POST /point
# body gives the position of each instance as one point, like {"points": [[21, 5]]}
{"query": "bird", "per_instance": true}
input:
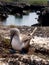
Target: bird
{"points": [[18, 41]]}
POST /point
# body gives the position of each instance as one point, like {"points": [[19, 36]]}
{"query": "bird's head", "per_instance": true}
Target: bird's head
{"points": [[14, 31]]}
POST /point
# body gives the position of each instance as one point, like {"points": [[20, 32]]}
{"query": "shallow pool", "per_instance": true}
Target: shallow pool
{"points": [[26, 20]]}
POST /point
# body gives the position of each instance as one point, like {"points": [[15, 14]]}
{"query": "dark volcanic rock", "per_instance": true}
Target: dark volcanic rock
{"points": [[16, 7], [44, 17], [36, 7]]}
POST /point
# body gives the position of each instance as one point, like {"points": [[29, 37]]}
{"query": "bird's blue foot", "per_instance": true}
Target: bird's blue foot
{"points": [[23, 51], [12, 51]]}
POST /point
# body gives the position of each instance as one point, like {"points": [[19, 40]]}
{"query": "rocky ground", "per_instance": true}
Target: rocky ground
{"points": [[39, 46]]}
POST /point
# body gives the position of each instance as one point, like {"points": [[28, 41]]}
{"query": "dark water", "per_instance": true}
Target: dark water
{"points": [[26, 20]]}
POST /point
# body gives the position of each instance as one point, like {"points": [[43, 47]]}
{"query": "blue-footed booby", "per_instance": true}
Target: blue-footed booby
{"points": [[19, 42]]}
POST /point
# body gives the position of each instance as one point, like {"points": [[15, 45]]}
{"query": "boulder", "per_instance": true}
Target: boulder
{"points": [[43, 18]]}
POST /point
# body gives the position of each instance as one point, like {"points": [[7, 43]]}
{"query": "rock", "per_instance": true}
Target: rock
{"points": [[25, 12], [38, 12], [36, 7], [14, 63], [17, 7], [43, 18], [18, 15], [28, 60], [40, 44]]}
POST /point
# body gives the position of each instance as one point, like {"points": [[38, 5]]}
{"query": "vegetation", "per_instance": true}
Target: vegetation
{"points": [[35, 1], [42, 2]]}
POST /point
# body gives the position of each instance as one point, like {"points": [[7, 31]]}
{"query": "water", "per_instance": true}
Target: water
{"points": [[26, 20]]}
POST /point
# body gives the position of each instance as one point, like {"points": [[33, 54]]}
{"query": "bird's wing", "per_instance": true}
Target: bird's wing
{"points": [[24, 38]]}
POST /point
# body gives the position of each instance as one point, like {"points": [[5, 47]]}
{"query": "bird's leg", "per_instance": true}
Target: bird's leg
{"points": [[12, 50]]}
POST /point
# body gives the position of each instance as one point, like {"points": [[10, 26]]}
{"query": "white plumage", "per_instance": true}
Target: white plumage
{"points": [[19, 41]]}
